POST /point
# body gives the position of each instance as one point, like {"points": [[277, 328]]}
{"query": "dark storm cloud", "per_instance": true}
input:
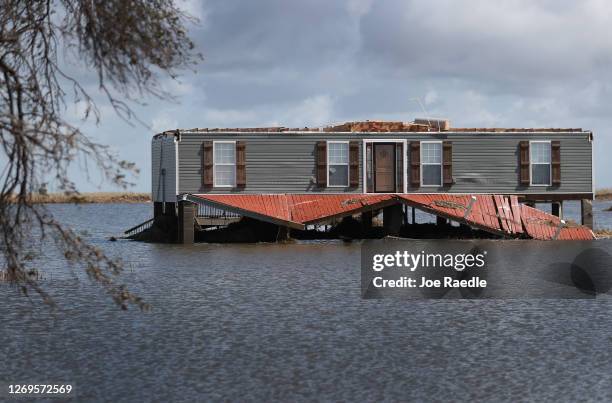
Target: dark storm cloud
{"points": [[262, 35], [508, 40], [514, 63]]}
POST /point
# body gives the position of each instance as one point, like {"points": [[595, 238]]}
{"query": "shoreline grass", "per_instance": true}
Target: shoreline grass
{"points": [[137, 197], [94, 197], [603, 194], [603, 233]]}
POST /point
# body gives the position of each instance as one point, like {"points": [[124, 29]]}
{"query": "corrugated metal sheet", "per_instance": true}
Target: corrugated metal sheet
{"points": [[541, 225], [296, 210], [309, 209], [497, 214], [475, 210]]}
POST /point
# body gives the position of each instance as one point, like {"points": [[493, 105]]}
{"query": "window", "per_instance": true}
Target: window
{"points": [[540, 163], [224, 169], [431, 163], [338, 163]]}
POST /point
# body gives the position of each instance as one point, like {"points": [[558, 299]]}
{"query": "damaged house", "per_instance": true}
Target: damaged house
{"points": [[294, 179]]}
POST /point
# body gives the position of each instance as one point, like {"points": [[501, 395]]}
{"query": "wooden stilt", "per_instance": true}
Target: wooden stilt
{"points": [[392, 219], [586, 208], [186, 222]]}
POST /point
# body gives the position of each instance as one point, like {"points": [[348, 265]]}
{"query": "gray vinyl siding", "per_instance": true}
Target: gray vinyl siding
{"points": [[274, 164], [490, 163], [482, 162], [163, 156]]}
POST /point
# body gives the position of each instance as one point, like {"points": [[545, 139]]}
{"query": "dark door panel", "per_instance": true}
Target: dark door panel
{"points": [[384, 168]]}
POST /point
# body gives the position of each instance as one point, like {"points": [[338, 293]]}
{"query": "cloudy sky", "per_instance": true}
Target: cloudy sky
{"points": [[515, 63]]}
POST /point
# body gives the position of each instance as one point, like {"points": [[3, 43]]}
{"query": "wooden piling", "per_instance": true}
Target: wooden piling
{"points": [[556, 209], [586, 209], [392, 219], [440, 221], [186, 222], [366, 220], [284, 234], [158, 209], [170, 209]]}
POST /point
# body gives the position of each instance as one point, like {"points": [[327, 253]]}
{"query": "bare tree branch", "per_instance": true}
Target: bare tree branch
{"points": [[129, 44]]}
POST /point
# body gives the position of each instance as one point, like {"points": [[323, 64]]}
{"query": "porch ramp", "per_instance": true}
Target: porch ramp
{"points": [[497, 214]]}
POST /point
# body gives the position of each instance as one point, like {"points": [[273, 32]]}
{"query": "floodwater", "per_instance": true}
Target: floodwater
{"points": [[286, 322]]}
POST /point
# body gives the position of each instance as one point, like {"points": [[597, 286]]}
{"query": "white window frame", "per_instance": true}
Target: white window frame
{"points": [[364, 169], [531, 163], [348, 163], [429, 163], [225, 164]]}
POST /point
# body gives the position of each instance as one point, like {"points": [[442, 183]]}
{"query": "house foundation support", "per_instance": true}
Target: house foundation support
{"points": [[158, 209], [186, 221], [284, 234], [366, 220], [392, 219], [170, 209], [440, 221], [586, 210]]}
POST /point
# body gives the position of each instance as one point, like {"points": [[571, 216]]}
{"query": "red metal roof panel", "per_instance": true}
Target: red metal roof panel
{"points": [[493, 213]]}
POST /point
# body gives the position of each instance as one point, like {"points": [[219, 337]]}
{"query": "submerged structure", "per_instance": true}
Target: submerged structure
{"points": [[485, 179]]}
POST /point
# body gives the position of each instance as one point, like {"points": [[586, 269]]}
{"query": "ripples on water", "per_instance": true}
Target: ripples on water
{"points": [[286, 322]]}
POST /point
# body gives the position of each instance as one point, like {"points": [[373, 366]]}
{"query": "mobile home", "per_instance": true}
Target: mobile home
{"points": [[372, 157]]}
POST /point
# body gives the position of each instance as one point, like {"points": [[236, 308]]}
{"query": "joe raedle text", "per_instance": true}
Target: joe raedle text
{"points": [[446, 282], [404, 269]]}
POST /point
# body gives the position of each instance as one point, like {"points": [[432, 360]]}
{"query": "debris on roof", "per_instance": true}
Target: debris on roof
{"points": [[440, 124], [378, 126]]}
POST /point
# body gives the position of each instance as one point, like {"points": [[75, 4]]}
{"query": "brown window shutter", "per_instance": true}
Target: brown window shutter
{"points": [[556, 162], [524, 162], [447, 162], [207, 164], [240, 164], [415, 163], [354, 163], [399, 168], [321, 152], [369, 163]]}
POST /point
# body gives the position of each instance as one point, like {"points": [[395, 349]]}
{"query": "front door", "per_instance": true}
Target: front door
{"points": [[384, 168]]}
